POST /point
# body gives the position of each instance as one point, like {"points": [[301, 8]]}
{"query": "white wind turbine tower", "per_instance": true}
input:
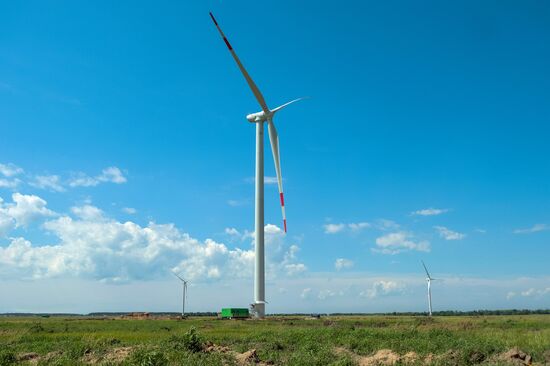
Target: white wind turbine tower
{"points": [[265, 115], [429, 280], [184, 287]]}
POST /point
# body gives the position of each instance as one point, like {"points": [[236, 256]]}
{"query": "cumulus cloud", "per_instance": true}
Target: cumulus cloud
{"points": [[430, 212], [108, 175], [333, 228], [89, 244], [398, 242], [353, 226], [449, 234], [342, 263], [129, 210], [10, 170], [232, 231], [534, 229], [49, 182], [9, 183], [382, 288], [94, 246], [22, 211]]}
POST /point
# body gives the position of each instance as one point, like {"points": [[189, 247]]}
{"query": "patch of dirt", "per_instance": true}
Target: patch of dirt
{"points": [[515, 357], [34, 358], [384, 357], [29, 356], [249, 357], [409, 358], [115, 355], [429, 359]]}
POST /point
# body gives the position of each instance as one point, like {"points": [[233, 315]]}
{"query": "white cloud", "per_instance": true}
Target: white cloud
{"points": [[353, 226], [534, 292], [92, 245], [357, 226], [384, 225], [108, 175], [232, 231], [82, 180], [430, 212], [95, 246], [9, 183], [236, 203], [129, 210], [113, 175], [267, 180], [10, 170], [333, 228], [306, 293], [382, 288], [398, 242], [342, 263], [448, 234], [325, 294], [534, 229], [50, 182], [295, 268], [531, 292], [24, 210], [88, 212]]}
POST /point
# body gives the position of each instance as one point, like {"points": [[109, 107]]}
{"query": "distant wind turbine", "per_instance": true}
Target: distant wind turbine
{"points": [[265, 115], [429, 280], [184, 286]]}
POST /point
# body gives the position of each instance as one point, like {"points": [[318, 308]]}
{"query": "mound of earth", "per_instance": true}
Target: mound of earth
{"points": [[115, 355], [249, 357], [515, 357], [385, 357]]}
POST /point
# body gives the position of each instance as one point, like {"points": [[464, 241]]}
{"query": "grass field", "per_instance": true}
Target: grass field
{"points": [[346, 340]]}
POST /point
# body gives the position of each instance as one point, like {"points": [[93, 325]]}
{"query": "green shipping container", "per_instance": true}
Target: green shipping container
{"points": [[234, 313]]}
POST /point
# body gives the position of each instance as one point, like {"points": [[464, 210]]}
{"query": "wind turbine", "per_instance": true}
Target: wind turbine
{"points": [[265, 115], [429, 280], [184, 285]]}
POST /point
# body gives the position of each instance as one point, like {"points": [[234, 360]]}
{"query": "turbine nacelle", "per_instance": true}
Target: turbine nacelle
{"points": [[257, 117]]}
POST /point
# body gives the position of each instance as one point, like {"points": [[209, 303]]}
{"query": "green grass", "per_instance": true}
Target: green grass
{"points": [[280, 341]]}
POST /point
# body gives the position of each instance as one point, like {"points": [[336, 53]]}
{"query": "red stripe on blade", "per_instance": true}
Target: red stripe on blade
{"points": [[284, 222], [227, 43], [282, 200]]}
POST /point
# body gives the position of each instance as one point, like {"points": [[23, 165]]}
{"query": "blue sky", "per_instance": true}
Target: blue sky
{"points": [[125, 154]]}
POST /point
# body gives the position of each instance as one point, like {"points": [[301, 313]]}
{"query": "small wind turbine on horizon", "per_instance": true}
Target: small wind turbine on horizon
{"points": [[429, 280], [265, 115], [184, 287]]}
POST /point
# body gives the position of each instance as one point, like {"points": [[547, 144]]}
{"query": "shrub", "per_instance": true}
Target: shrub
{"points": [[145, 357], [7, 358], [191, 341]]}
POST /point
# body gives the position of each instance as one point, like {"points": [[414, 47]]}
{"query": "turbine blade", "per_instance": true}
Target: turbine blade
{"points": [[274, 140], [249, 80], [426, 269], [284, 105], [175, 274]]}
